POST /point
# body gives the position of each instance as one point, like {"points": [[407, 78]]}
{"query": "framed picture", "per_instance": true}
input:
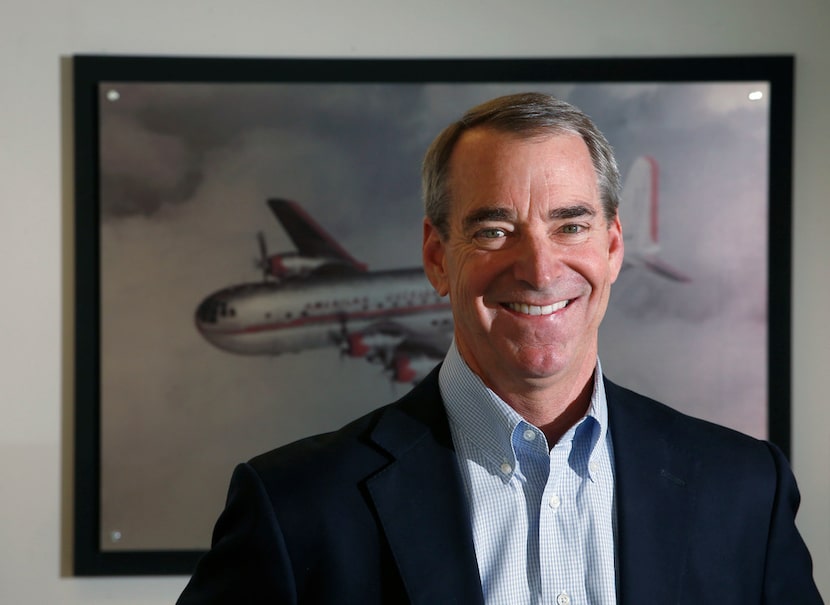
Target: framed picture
{"points": [[248, 238]]}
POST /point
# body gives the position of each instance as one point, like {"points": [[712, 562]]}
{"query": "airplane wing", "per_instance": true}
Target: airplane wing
{"points": [[310, 239], [406, 356]]}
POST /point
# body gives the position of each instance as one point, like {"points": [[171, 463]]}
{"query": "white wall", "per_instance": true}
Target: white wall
{"points": [[36, 201]]}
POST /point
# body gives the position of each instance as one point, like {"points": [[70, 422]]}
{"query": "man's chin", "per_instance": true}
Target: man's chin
{"points": [[535, 365]]}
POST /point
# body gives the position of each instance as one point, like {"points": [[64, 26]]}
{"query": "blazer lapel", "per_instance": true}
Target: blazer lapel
{"points": [[420, 502], [655, 498], [421, 506]]}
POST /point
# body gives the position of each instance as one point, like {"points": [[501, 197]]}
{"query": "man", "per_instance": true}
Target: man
{"points": [[515, 473]]}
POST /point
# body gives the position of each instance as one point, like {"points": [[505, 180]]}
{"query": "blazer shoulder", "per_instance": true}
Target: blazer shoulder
{"points": [[684, 484], [633, 413]]}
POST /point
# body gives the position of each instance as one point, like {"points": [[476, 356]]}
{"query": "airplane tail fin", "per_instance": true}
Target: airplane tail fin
{"points": [[639, 208], [640, 204]]}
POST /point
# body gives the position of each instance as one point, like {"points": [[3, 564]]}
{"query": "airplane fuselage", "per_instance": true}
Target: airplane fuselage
{"points": [[269, 318]]}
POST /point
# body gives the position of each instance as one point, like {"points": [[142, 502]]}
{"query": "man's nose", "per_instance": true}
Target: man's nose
{"points": [[536, 261]]}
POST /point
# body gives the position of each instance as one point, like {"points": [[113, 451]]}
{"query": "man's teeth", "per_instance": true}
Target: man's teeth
{"points": [[537, 310]]}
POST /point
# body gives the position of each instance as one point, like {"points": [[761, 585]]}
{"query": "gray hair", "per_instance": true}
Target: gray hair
{"points": [[528, 115]]}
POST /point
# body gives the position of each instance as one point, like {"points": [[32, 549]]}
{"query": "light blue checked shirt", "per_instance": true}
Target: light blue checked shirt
{"points": [[543, 519]]}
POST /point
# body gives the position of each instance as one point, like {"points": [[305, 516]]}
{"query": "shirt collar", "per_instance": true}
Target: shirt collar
{"points": [[475, 411]]}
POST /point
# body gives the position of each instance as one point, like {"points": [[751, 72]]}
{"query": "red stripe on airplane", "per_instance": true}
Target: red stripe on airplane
{"points": [[655, 198], [333, 317]]}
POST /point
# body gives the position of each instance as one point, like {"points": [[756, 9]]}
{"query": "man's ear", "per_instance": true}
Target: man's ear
{"points": [[616, 247], [434, 256]]}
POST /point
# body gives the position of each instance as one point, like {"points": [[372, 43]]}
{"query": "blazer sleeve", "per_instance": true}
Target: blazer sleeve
{"points": [[788, 574], [248, 561]]}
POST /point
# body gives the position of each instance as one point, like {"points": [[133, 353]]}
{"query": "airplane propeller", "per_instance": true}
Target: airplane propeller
{"points": [[341, 338], [263, 263]]}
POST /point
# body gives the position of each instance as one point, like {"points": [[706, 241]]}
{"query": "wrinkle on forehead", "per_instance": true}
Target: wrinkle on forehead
{"points": [[516, 174]]}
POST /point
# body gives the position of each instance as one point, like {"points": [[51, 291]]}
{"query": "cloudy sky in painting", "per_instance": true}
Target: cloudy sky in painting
{"points": [[186, 171]]}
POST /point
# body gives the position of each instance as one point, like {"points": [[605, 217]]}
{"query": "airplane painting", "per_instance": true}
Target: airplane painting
{"points": [[320, 295], [187, 390]]}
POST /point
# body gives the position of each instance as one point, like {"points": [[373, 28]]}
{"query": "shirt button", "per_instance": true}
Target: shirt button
{"points": [[506, 468], [554, 504], [529, 435], [593, 467], [563, 599]]}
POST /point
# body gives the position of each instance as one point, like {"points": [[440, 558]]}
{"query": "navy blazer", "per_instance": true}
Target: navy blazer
{"points": [[376, 513]]}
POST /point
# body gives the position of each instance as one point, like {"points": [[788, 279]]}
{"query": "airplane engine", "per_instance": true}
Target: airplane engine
{"points": [[355, 346], [410, 369], [402, 370]]}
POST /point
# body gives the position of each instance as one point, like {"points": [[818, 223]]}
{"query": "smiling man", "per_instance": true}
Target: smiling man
{"points": [[515, 473], [528, 257]]}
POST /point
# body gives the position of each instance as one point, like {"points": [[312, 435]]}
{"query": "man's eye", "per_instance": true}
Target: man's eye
{"points": [[572, 229], [491, 233]]}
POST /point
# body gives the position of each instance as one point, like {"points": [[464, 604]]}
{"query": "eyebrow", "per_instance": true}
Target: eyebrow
{"points": [[488, 213], [575, 211], [496, 213]]}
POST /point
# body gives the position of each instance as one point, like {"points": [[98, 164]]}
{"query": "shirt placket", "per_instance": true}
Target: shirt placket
{"points": [[556, 519]]}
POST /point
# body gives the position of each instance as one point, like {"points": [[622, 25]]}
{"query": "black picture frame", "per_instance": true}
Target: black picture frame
{"points": [[91, 72]]}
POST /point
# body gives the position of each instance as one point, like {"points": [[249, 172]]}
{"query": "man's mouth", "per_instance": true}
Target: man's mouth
{"points": [[526, 309]]}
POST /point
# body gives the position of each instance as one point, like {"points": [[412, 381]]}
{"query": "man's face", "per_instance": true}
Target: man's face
{"points": [[529, 258]]}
